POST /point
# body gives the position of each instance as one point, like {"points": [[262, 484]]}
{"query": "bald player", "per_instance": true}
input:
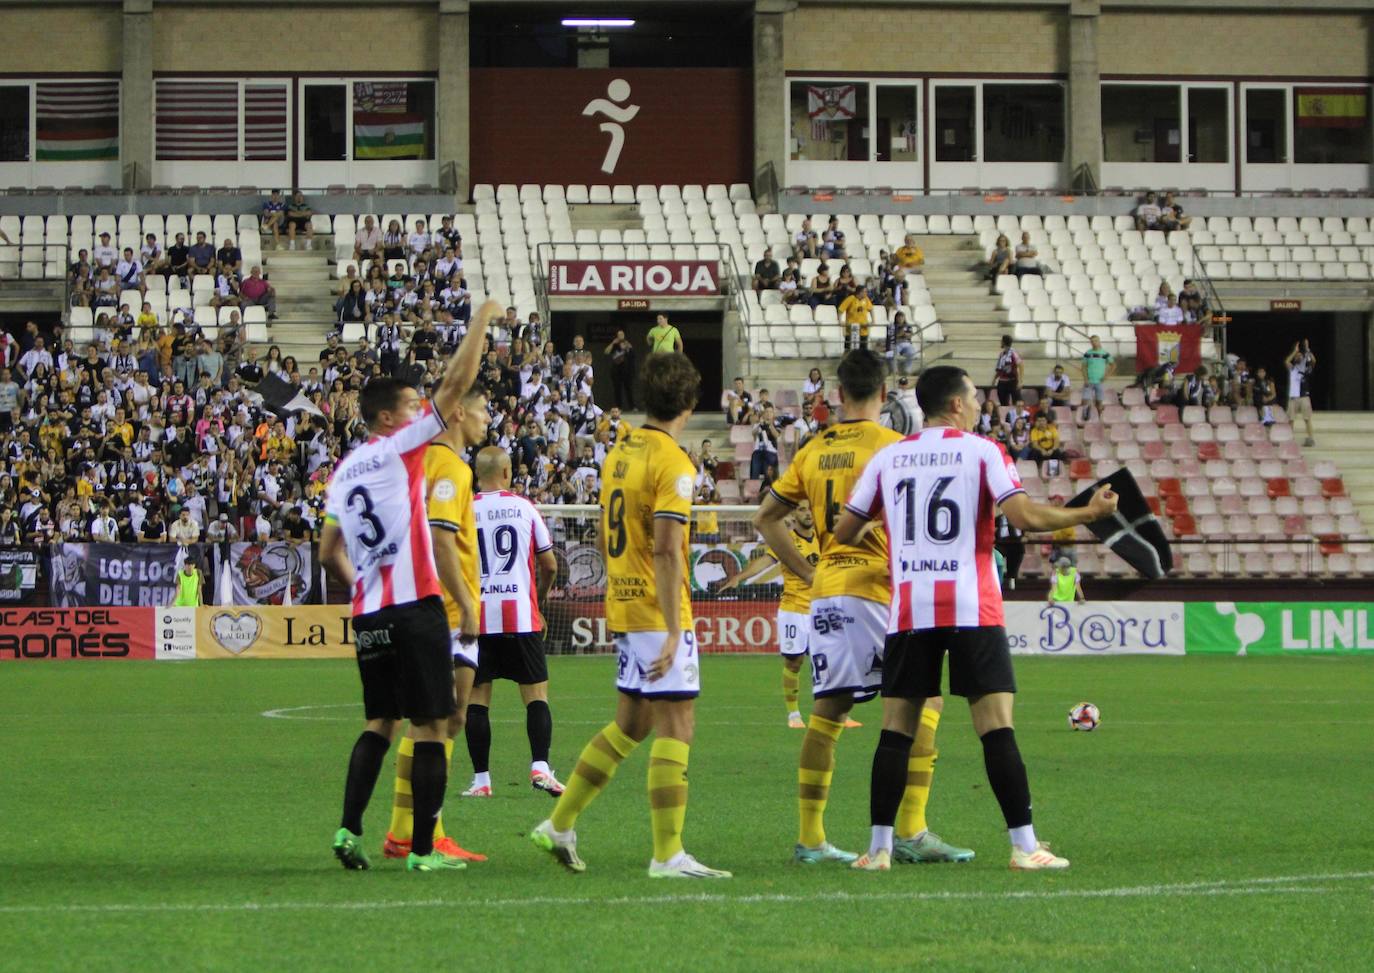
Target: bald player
{"points": [[515, 557]]}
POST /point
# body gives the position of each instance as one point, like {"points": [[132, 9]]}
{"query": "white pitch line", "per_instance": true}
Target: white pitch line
{"points": [[1265, 885]]}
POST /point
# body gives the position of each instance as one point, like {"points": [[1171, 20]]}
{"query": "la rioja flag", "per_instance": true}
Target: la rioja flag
{"points": [[1163, 344]]}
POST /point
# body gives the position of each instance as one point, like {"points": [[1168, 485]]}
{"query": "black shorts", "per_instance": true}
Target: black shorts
{"points": [[979, 662], [405, 662], [299, 222], [519, 658]]}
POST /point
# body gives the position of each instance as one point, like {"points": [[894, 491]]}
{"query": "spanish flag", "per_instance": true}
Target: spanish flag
{"points": [[1332, 107]]}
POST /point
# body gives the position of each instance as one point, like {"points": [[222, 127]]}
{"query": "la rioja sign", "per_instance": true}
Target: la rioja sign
{"points": [[634, 278]]}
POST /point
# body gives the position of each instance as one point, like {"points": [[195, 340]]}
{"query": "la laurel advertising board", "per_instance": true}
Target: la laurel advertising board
{"points": [[76, 633], [634, 278], [273, 632]]}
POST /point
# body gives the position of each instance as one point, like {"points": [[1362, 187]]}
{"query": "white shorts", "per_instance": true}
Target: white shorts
{"points": [[464, 650], [847, 639], [794, 632], [638, 650]]}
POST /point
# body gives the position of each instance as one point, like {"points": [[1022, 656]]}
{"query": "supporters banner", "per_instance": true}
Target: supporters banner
{"points": [[307, 632], [77, 121], [1279, 628], [634, 278], [197, 121], [1162, 344], [1332, 107], [76, 633], [260, 574], [382, 135], [119, 574], [18, 575], [1096, 628]]}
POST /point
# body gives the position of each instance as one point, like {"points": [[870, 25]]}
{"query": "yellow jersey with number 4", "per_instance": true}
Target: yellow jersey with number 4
{"points": [[796, 594], [449, 504], [824, 472], [646, 475]]}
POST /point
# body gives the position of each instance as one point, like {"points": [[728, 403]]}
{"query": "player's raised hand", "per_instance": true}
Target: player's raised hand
{"points": [[1103, 503], [660, 666]]}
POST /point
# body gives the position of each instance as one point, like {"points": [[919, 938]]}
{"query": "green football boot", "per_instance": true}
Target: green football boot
{"points": [[926, 848], [434, 862], [348, 849], [827, 852]]}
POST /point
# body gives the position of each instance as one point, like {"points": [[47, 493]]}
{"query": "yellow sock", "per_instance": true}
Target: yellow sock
{"points": [[667, 795], [596, 766], [911, 816], [791, 688], [403, 804], [448, 761], [816, 768]]}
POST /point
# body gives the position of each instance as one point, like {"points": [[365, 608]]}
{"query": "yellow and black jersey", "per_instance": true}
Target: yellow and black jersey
{"points": [[796, 595], [449, 504], [824, 472], [645, 476]]}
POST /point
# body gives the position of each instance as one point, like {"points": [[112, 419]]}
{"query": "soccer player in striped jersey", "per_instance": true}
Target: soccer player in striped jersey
{"points": [[375, 541], [454, 535], [937, 493], [515, 552], [850, 593], [646, 503], [794, 611]]}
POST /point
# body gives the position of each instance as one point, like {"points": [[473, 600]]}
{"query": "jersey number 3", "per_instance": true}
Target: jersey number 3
{"points": [[373, 531]]}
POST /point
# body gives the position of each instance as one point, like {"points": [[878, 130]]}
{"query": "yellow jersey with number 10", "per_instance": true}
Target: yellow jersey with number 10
{"points": [[449, 506], [796, 595], [824, 472], [645, 476]]}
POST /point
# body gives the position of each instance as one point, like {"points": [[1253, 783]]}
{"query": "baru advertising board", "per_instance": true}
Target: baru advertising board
{"points": [[1096, 628]]}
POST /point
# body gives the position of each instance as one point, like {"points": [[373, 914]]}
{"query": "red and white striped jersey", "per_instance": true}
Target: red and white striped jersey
{"points": [[510, 532], [377, 499], [937, 492]]}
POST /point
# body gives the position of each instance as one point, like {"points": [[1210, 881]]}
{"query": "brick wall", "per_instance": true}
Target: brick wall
{"points": [[346, 39], [88, 38], [977, 40]]}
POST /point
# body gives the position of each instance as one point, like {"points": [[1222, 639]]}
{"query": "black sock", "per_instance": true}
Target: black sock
{"points": [[1007, 775], [888, 782], [428, 778], [478, 733], [539, 727], [364, 766]]}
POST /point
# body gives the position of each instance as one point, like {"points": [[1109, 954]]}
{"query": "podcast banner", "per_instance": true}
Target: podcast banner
{"points": [[272, 632]]}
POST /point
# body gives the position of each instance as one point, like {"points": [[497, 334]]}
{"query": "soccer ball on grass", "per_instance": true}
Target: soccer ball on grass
{"points": [[1084, 717]]}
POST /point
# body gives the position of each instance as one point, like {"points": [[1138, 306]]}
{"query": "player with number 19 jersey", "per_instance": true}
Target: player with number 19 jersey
{"points": [[389, 548], [938, 493]]}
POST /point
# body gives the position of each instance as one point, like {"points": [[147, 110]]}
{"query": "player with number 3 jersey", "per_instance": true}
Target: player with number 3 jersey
{"points": [[937, 493]]}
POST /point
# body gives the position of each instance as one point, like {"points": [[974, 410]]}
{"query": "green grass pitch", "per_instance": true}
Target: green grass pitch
{"points": [[1219, 820]]}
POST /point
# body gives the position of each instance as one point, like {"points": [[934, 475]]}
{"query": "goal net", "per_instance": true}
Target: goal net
{"points": [[725, 549]]}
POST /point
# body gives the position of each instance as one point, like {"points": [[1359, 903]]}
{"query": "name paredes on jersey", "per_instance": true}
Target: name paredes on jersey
{"points": [[906, 460], [354, 470]]}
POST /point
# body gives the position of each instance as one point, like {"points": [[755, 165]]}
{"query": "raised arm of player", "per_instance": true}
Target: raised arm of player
{"points": [[461, 370], [770, 521], [1025, 514], [334, 556]]}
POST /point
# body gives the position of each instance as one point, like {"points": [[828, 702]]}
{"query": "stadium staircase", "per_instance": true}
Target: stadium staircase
{"points": [[968, 312], [1343, 438], [305, 297]]}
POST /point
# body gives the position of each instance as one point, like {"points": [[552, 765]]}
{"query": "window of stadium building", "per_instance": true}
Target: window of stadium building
{"points": [[829, 121], [1141, 123], [393, 120], [1209, 124], [14, 123], [1266, 125], [1023, 122], [1331, 125]]}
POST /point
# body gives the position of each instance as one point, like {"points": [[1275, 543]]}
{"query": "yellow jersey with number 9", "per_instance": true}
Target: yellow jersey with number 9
{"points": [[824, 472], [645, 476], [449, 506], [796, 595]]}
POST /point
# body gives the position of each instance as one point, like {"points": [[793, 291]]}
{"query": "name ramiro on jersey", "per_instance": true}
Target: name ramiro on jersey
{"points": [[951, 458], [836, 461]]}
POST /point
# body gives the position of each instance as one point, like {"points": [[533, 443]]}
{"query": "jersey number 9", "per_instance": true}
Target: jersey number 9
{"points": [[615, 523]]}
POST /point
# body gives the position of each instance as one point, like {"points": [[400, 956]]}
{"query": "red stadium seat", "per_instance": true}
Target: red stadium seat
{"points": [[1169, 487], [1175, 505], [1153, 451], [1333, 486], [1185, 526], [1278, 487], [725, 470], [1082, 469], [1207, 450], [1154, 505]]}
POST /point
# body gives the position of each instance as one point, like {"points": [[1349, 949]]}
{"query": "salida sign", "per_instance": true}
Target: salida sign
{"points": [[634, 278]]}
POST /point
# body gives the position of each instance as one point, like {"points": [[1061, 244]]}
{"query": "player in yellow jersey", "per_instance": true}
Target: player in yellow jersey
{"points": [[453, 533], [646, 501], [794, 611], [850, 596]]}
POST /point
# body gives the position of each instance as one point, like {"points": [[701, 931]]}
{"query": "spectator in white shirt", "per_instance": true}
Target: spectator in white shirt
{"points": [[1147, 214], [130, 272], [419, 241], [184, 530], [102, 254], [367, 242], [1170, 313], [1058, 387], [35, 356]]}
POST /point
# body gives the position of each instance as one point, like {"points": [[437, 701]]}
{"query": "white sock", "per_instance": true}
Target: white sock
{"points": [[482, 780], [540, 766], [882, 839], [1023, 838], [794, 715]]}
